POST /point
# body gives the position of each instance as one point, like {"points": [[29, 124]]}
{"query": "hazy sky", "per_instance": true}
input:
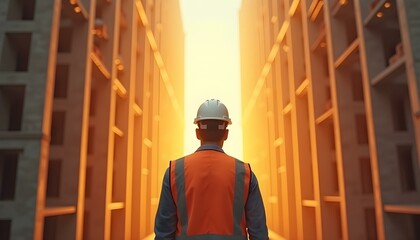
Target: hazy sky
{"points": [[212, 64]]}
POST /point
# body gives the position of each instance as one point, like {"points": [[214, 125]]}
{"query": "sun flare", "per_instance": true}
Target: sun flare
{"points": [[212, 65]]}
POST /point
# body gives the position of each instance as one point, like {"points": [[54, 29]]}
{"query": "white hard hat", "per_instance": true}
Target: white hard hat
{"points": [[212, 109]]}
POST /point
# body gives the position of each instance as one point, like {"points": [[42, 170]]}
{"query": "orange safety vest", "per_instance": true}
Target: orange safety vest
{"points": [[210, 190]]}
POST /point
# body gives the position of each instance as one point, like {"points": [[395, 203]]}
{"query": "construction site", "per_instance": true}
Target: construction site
{"points": [[92, 111]]}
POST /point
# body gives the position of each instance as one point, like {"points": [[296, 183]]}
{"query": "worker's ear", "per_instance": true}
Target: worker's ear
{"points": [[225, 136], [198, 133]]}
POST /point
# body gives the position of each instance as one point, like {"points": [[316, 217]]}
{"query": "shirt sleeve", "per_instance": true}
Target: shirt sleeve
{"points": [[166, 218], [255, 212]]}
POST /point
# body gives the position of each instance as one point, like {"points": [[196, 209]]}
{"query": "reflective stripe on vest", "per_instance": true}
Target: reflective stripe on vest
{"points": [[240, 194], [180, 189]]}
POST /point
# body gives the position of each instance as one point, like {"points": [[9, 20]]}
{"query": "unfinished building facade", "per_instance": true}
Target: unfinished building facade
{"points": [[89, 91], [331, 115]]}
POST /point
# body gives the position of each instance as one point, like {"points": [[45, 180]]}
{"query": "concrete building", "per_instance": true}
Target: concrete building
{"points": [[331, 115], [89, 91]]}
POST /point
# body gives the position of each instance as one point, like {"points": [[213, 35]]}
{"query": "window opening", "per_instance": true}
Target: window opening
{"points": [[21, 10], [11, 107], [405, 160], [57, 128], [16, 50], [5, 226], [8, 174], [366, 175], [61, 81], [361, 126], [65, 39], [54, 178]]}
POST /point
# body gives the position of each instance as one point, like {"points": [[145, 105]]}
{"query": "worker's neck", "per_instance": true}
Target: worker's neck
{"points": [[219, 144]]}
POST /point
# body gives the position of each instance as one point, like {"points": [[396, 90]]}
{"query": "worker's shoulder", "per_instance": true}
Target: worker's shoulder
{"points": [[180, 158], [239, 160]]}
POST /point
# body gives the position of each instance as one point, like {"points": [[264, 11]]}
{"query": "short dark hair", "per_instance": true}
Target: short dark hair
{"points": [[212, 132]]}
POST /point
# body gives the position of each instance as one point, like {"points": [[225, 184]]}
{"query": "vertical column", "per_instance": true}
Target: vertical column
{"points": [[313, 28], [142, 53], [294, 49], [146, 142], [272, 111]]}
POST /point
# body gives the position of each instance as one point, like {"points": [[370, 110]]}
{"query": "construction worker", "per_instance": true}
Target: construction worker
{"points": [[210, 195]]}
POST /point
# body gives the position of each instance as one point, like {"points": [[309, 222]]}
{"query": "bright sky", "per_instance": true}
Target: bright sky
{"points": [[212, 65]]}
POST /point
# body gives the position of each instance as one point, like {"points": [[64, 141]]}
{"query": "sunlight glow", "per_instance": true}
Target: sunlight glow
{"points": [[212, 65]]}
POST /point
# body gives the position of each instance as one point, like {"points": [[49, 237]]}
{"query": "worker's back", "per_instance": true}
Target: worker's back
{"points": [[209, 195], [216, 188]]}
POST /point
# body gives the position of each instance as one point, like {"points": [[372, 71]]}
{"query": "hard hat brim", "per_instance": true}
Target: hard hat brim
{"points": [[196, 120]]}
